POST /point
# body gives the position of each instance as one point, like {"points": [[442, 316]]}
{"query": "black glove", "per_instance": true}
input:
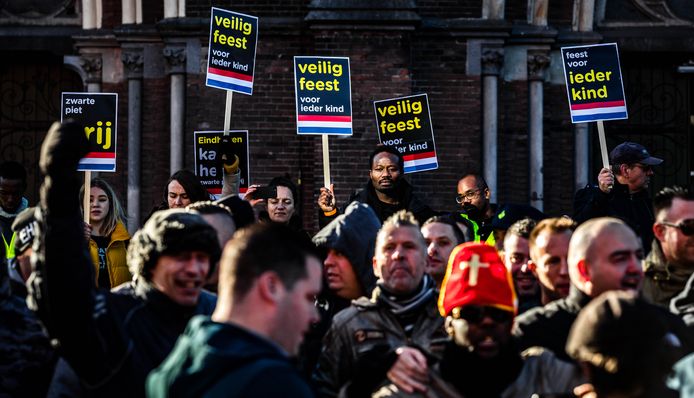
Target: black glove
{"points": [[64, 146], [229, 158]]}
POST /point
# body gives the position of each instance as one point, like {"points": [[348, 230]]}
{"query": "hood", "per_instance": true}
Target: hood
{"points": [[23, 205], [354, 235], [206, 353]]}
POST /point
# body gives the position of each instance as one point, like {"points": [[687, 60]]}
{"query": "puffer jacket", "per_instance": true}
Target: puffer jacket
{"points": [[116, 256], [368, 326]]}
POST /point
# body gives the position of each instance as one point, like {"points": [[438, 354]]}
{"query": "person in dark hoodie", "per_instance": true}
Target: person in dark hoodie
{"points": [[386, 192], [265, 306], [112, 340], [348, 242]]}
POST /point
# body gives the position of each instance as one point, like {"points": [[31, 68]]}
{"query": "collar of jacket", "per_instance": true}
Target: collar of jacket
{"points": [[403, 192], [576, 298], [656, 267], [23, 205], [623, 190], [161, 303], [365, 303]]}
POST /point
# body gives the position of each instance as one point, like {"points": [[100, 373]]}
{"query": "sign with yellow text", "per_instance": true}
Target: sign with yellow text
{"points": [[98, 113], [594, 83], [231, 57], [211, 147], [405, 123], [323, 95]]}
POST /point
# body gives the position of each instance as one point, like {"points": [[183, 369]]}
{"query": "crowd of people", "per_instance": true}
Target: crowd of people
{"points": [[233, 298]]}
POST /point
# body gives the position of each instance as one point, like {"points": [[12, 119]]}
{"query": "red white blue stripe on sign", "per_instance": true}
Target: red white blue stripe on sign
{"points": [[339, 125], [230, 80], [420, 162], [594, 111], [98, 161]]}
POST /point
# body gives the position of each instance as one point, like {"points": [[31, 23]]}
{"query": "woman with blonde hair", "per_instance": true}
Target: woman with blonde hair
{"points": [[108, 238]]}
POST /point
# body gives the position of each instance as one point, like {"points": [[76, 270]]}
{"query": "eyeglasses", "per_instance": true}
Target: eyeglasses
{"points": [[686, 226], [469, 195], [475, 314]]}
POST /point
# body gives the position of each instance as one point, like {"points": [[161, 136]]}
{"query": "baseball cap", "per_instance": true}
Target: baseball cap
{"points": [[631, 152]]}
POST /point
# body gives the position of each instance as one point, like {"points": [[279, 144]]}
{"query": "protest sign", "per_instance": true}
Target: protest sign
{"points": [[97, 112], [210, 146], [594, 83], [231, 56], [323, 95], [405, 123]]}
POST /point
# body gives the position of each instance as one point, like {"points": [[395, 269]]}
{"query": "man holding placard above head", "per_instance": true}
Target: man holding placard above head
{"points": [[386, 192], [621, 191]]}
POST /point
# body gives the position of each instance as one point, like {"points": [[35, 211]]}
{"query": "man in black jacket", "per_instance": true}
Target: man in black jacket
{"points": [[112, 340], [627, 197], [386, 192]]}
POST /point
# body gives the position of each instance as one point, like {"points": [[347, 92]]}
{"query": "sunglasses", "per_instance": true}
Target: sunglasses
{"points": [[475, 314], [686, 226]]}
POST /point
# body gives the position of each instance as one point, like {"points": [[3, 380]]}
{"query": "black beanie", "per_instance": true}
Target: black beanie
{"points": [[170, 232]]}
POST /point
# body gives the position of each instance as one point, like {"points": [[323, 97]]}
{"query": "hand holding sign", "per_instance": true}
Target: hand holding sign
{"points": [[605, 180], [326, 199], [229, 158]]}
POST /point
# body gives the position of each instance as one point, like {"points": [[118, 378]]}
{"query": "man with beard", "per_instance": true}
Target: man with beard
{"points": [[473, 196], [516, 258], [481, 360], [387, 192], [549, 246], [370, 341], [627, 197], [604, 254]]}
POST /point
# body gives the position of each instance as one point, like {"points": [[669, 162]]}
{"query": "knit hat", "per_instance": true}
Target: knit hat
{"points": [[25, 227], [476, 276], [170, 232]]}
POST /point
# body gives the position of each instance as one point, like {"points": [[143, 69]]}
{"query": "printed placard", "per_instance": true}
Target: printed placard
{"points": [[323, 95], [594, 83], [210, 146], [405, 123], [98, 113], [231, 56]]}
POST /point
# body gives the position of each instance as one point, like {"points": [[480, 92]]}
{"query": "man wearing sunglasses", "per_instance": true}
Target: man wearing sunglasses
{"points": [[621, 191], [671, 260]]}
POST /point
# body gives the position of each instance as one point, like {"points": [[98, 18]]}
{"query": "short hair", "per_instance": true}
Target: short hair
{"points": [[260, 248], [190, 183], [663, 199], [480, 181], [210, 207], [380, 148], [285, 182], [521, 228], [554, 225], [585, 237], [448, 221], [402, 218], [115, 212], [12, 170]]}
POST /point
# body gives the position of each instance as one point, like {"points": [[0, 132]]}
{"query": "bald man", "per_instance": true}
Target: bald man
{"points": [[604, 254]]}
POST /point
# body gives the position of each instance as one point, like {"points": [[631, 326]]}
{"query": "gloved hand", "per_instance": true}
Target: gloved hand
{"points": [[229, 159], [64, 146]]}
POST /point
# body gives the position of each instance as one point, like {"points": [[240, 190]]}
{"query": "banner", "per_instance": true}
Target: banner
{"points": [[594, 83], [405, 123], [231, 56], [323, 95], [209, 148], [98, 113]]}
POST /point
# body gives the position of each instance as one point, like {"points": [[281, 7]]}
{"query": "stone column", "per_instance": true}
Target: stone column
{"points": [[493, 9], [492, 60], [133, 60], [91, 63], [538, 60], [176, 66]]}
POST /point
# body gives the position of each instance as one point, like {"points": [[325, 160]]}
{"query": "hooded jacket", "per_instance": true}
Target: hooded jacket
{"points": [[6, 220], [218, 359], [406, 200], [662, 280]]}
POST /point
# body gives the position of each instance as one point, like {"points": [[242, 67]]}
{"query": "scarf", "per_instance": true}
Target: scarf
{"points": [[407, 308]]}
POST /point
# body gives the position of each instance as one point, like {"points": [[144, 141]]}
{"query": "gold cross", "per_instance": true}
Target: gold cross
{"points": [[474, 264]]}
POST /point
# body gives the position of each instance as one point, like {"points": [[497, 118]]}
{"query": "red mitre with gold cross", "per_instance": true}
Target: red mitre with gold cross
{"points": [[476, 276]]}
